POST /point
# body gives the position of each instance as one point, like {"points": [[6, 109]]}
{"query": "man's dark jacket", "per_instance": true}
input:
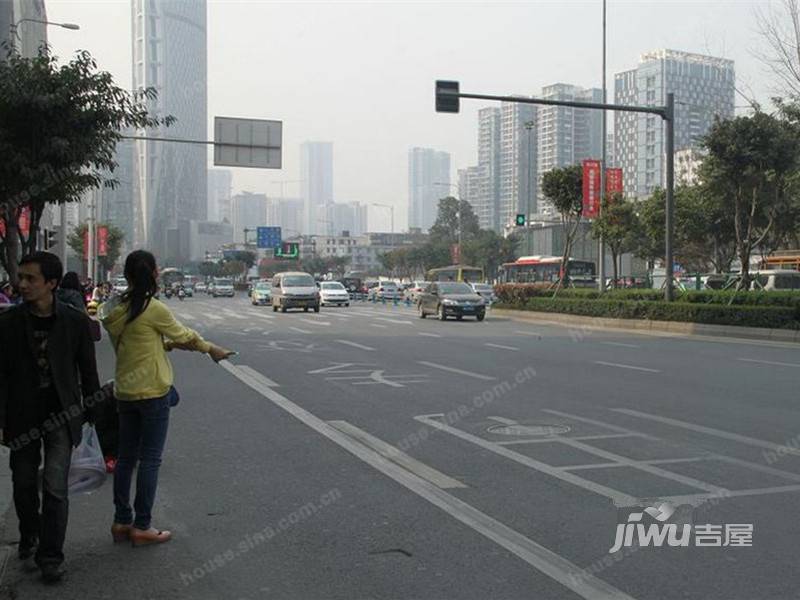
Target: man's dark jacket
{"points": [[70, 351]]}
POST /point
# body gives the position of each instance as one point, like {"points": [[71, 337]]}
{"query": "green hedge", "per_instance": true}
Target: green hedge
{"points": [[771, 317], [516, 293]]}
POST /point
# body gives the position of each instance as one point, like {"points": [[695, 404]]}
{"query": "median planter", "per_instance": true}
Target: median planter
{"points": [[768, 317]]}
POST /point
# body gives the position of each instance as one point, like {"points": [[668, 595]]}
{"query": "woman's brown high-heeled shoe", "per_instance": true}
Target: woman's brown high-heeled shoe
{"points": [[140, 537], [120, 532]]}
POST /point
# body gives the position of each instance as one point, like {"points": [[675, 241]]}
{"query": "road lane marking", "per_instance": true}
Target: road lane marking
{"points": [[212, 316], [397, 321], [660, 461], [315, 322], [546, 561], [620, 344], [770, 362], [186, 316], [742, 439], [454, 370], [378, 325], [523, 332], [603, 424], [550, 439], [261, 315], [298, 330], [698, 499], [620, 366], [356, 345], [501, 346], [339, 366], [426, 334], [263, 379], [619, 498], [430, 474]]}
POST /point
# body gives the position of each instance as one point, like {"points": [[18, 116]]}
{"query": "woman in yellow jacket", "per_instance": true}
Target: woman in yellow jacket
{"points": [[142, 329]]}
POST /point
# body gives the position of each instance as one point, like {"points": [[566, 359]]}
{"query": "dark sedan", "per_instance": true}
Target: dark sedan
{"points": [[451, 299]]}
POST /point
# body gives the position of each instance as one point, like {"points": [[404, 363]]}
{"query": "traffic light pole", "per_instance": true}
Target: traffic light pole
{"points": [[447, 100]]}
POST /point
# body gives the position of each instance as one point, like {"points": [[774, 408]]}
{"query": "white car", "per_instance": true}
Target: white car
{"points": [[333, 292], [413, 291], [223, 287]]}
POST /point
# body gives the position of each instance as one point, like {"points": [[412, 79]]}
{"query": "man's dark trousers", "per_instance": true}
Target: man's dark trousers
{"points": [[51, 527]]}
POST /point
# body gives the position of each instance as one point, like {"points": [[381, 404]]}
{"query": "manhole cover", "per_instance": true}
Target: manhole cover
{"points": [[519, 429]]}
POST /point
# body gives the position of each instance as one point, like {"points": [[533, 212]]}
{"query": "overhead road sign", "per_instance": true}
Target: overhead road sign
{"points": [[255, 143], [268, 237]]}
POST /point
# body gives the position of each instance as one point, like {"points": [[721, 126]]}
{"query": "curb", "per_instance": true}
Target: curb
{"points": [[647, 326]]}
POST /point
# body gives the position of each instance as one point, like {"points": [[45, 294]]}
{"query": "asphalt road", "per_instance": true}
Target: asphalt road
{"points": [[365, 453]]}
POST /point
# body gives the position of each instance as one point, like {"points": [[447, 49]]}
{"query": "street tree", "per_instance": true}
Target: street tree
{"points": [[564, 188], [779, 26], [445, 229], [116, 236], [618, 225], [59, 126], [752, 162], [489, 250]]}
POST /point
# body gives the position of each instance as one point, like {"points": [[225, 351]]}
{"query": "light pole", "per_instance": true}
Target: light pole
{"points": [[14, 30], [601, 245]]}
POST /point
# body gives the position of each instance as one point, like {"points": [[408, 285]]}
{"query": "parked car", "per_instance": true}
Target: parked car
{"points": [[223, 287], [333, 292], [261, 294], [451, 299], [414, 289], [294, 289], [485, 291]]}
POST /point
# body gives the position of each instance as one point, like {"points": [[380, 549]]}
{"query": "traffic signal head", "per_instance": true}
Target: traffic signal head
{"points": [[447, 99], [520, 220]]}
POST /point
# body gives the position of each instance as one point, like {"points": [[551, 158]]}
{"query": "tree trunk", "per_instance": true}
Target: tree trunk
{"points": [[614, 270]]}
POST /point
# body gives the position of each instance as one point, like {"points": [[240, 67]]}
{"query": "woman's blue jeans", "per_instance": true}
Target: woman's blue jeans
{"points": [[143, 428]]}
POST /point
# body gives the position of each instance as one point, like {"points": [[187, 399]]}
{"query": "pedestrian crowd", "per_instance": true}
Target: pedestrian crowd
{"points": [[49, 388]]}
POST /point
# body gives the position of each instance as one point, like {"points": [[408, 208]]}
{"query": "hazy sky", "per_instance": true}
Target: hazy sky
{"points": [[361, 74]]}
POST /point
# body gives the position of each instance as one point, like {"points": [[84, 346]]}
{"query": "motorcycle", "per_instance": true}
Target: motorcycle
{"points": [[168, 293], [181, 294]]}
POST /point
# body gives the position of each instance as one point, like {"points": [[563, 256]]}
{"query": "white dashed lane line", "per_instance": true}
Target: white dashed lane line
{"points": [[631, 367], [501, 346], [355, 345]]}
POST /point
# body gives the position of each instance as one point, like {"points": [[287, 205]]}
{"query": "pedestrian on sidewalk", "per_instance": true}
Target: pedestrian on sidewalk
{"points": [[47, 367], [142, 329]]}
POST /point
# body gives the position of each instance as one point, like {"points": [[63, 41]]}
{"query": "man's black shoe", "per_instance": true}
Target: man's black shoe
{"points": [[53, 573], [27, 548]]}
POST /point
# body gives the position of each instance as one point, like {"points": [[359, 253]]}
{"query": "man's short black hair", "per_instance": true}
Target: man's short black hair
{"points": [[49, 264]]}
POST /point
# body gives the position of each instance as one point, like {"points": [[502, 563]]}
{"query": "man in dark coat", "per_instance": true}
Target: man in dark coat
{"points": [[47, 368]]}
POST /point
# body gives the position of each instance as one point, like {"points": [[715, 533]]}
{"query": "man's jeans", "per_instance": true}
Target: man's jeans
{"points": [[50, 526], [142, 434]]}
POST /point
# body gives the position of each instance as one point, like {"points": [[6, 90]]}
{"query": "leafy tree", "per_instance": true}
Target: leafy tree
{"points": [[59, 126], [445, 229], [234, 268], [211, 269], [247, 257], [489, 250], [751, 163], [113, 244], [564, 188], [618, 225]]}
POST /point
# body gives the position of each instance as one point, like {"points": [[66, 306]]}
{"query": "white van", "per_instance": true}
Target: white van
{"points": [[294, 289], [784, 280]]}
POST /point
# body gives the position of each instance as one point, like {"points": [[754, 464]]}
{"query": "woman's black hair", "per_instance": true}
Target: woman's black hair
{"points": [[70, 281], [140, 271]]}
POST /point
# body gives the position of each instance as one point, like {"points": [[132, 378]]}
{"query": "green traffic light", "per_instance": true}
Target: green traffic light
{"points": [[520, 220]]}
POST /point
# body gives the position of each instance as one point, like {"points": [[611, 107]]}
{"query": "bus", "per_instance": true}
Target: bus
{"points": [[456, 273], [547, 269], [782, 260]]}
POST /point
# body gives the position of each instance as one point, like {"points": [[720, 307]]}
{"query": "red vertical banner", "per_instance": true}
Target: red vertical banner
{"points": [[614, 180], [591, 188], [102, 241], [86, 244]]}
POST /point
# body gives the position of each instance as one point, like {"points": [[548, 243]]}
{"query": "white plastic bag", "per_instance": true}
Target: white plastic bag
{"points": [[87, 471]]}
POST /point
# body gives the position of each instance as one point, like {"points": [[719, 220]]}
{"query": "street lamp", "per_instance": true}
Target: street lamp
{"points": [[14, 30]]}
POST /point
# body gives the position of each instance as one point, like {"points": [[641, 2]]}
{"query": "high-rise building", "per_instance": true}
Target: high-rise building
{"points": [[350, 217], [316, 174], [704, 89], [29, 35], [566, 135], [428, 181], [286, 213], [486, 201], [220, 189], [518, 169], [169, 54], [248, 211], [116, 205]]}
